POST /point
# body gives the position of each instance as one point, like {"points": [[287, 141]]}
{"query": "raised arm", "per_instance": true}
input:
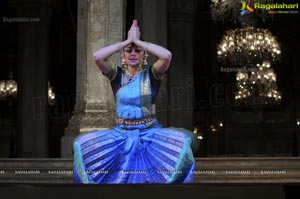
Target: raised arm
{"points": [[104, 53], [164, 55], [101, 55]]}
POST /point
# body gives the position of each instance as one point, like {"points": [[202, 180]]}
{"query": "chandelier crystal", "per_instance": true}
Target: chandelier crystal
{"points": [[51, 95], [258, 87], [248, 46]]}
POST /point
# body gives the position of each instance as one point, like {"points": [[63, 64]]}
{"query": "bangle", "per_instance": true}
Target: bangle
{"points": [[146, 44]]}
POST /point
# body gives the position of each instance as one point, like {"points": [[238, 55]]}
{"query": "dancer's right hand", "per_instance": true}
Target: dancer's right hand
{"points": [[132, 31]]}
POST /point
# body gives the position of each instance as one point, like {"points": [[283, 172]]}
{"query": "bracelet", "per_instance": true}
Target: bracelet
{"points": [[146, 43]]}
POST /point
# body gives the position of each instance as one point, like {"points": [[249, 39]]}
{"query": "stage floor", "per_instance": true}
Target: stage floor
{"points": [[141, 191]]}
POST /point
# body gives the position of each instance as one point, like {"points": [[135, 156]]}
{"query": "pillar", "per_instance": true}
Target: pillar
{"points": [[99, 23], [180, 76], [33, 60]]}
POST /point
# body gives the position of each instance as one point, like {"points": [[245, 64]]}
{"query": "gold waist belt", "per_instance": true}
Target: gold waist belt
{"points": [[135, 121]]}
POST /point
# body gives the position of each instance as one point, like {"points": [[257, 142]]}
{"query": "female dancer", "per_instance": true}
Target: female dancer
{"points": [[138, 149]]}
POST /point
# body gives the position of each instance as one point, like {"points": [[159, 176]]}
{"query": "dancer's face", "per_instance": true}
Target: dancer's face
{"points": [[134, 55]]}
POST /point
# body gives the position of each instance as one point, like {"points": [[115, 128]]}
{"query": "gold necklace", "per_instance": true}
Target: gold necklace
{"points": [[127, 77]]}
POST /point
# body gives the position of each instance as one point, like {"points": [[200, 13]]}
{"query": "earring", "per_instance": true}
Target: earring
{"points": [[123, 60], [145, 62], [145, 58]]}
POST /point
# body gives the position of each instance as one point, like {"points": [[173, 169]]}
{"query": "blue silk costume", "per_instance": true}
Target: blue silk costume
{"points": [[137, 151]]}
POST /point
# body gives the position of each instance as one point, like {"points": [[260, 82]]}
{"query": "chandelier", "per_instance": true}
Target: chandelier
{"points": [[259, 87], [248, 46], [9, 88], [238, 10]]}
